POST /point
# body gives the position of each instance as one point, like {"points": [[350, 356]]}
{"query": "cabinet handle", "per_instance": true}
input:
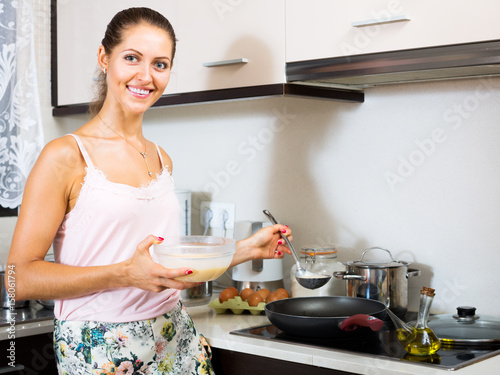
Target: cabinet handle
{"points": [[225, 62], [381, 21]]}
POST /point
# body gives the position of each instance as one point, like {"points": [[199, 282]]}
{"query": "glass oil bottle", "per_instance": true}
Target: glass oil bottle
{"points": [[425, 342], [405, 332]]}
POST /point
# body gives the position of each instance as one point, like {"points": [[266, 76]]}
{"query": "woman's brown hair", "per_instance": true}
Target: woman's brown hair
{"points": [[113, 36]]}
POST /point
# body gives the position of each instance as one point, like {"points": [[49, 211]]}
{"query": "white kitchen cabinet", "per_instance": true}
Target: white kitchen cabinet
{"points": [[230, 43], [80, 29], [217, 32], [334, 28], [244, 45]]}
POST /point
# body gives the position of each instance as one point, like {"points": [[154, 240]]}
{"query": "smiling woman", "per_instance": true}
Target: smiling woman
{"points": [[116, 34], [137, 69], [103, 196]]}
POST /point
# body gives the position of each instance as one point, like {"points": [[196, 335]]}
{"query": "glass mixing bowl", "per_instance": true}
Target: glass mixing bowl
{"points": [[208, 256]]}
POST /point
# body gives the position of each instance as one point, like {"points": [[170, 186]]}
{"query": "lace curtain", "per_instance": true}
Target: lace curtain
{"points": [[21, 135]]}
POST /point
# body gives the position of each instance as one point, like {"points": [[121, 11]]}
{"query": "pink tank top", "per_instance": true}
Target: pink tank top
{"points": [[108, 221]]}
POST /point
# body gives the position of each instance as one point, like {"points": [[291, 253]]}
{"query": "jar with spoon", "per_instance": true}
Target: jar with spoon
{"points": [[308, 279], [320, 259]]}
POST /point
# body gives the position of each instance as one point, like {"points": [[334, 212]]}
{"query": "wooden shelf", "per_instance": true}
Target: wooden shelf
{"points": [[239, 93]]}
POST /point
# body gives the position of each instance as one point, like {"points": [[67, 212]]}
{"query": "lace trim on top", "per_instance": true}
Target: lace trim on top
{"points": [[97, 179]]}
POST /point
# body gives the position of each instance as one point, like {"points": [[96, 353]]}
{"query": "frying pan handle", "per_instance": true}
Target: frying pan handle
{"points": [[353, 322]]}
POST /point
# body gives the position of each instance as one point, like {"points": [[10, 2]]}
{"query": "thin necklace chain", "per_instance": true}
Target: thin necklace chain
{"points": [[143, 154]]}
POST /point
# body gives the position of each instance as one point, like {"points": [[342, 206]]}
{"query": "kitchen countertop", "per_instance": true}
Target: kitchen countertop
{"points": [[217, 327], [32, 320]]}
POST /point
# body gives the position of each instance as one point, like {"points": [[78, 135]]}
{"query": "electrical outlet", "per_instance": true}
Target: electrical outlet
{"points": [[216, 224]]}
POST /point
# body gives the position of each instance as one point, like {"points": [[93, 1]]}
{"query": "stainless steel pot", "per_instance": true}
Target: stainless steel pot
{"points": [[47, 303], [386, 282], [5, 301], [198, 295]]}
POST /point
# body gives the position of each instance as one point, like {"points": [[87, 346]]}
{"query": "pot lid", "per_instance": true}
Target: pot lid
{"points": [[466, 328], [392, 263]]}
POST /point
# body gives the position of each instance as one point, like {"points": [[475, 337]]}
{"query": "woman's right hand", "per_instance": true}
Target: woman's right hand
{"points": [[144, 273]]}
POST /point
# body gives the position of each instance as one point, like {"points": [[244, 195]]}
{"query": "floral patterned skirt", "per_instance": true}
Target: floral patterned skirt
{"points": [[168, 344]]}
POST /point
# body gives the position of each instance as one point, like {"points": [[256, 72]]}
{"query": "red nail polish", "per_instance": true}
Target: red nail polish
{"points": [[283, 231], [189, 272], [287, 226], [280, 253], [160, 238], [280, 242]]}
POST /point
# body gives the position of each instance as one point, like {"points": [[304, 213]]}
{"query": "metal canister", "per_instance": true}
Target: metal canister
{"points": [[6, 291], [386, 281], [198, 295]]}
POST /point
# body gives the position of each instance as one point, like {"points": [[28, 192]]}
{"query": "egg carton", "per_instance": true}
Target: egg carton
{"points": [[236, 305]]}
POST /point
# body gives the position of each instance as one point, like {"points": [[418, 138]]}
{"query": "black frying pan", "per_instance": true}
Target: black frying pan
{"points": [[325, 317]]}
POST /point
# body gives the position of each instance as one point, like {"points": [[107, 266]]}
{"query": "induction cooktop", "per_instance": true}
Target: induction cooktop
{"points": [[379, 344]]}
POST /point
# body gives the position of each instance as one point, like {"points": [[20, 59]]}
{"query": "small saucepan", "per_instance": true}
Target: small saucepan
{"points": [[326, 317]]}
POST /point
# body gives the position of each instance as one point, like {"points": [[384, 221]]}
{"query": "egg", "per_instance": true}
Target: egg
{"points": [[283, 292], [228, 294], [234, 290], [274, 297], [277, 295], [245, 293], [264, 293], [254, 299]]}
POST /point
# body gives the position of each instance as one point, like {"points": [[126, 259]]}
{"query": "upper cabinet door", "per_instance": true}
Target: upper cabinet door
{"points": [[80, 29], [230, 43], [335, 28], [221, 44]]}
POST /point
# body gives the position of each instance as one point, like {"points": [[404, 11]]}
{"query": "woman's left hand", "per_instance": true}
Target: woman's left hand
{"points": [[264, 244]]}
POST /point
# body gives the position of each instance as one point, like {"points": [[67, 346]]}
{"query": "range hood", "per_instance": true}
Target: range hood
{"points": [[412, 65]]}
